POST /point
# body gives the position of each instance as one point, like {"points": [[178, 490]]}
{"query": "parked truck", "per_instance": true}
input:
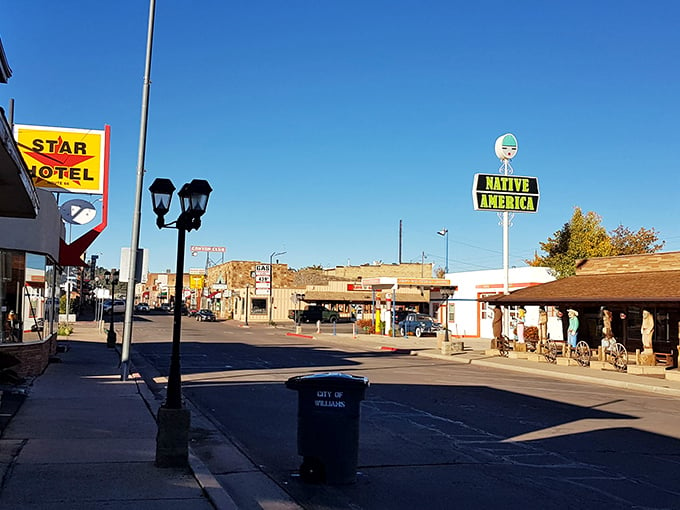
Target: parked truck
{"points": [[313, 313]]}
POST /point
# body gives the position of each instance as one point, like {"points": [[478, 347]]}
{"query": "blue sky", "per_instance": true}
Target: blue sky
{"points": [[321, 124]]}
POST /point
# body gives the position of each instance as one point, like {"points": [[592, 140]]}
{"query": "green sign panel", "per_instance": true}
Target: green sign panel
{"points": [[512, 193]]}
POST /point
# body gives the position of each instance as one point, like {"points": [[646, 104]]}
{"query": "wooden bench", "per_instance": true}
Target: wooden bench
{"points": [[664, 359]]}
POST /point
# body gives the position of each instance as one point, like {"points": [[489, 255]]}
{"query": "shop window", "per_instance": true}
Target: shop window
{"points": [[12, 267], [485, 310], [258, 307], [33, 309], [634, 323]]}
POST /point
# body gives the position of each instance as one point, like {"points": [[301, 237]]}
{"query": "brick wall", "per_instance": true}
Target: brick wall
{"points": [[630, 263], [236, 274], [33, 356]]}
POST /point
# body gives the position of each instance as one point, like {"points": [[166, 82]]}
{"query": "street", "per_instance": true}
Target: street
{"points": [[433, 434]]}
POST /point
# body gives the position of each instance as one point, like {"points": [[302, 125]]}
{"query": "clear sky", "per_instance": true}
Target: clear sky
{"points": [[322, 123]]}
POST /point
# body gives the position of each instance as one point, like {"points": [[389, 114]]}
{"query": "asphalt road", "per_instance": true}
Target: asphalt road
{"points": [[433, 434]]}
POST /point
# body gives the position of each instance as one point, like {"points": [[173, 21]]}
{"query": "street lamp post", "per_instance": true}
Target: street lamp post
{"points": [[172, 440], [446, 292], [111, 279], [445, 302], [445, 234], [271, 281]]}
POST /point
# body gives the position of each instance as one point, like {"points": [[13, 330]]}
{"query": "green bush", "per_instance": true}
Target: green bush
{"points": [[365, 324], [64, 329]]}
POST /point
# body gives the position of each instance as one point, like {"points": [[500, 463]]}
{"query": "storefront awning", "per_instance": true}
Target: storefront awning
{"points": [[321, 296], [642, 287], [18, 197]]}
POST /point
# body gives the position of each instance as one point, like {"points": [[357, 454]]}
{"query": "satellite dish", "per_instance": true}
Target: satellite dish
{"points": [[77, 211]]}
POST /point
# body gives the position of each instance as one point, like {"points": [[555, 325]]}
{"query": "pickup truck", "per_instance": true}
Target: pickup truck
{"points": [[313, 313]]}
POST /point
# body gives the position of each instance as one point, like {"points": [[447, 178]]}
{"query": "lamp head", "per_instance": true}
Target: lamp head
{"points": [[161, 196], [194, 197], [194, 200]]}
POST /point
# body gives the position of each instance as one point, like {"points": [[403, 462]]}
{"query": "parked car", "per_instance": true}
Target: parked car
{"points": [[193, 312], [117, 304], [142, 307], [419, 324], [313, 313], [165, 307], [205, 315]]}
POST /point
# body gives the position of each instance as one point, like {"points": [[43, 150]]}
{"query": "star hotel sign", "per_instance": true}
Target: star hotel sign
{"points": [[64, 159]]}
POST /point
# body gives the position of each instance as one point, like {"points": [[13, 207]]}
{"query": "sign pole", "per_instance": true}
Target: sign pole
{"points": [[506, 241]]}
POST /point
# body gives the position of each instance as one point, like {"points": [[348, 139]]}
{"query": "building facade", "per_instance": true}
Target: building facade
{"points": [[626, 286]]}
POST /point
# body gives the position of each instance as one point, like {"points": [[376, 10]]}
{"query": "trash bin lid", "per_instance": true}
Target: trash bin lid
{"points": [[327, 380]]}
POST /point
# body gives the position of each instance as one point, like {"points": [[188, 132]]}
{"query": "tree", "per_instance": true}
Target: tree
{"points": [[627, 242], [585, 237]]}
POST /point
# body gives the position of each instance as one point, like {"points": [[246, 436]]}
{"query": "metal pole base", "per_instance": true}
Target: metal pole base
{"points": [[172, 440], [111, 339]]}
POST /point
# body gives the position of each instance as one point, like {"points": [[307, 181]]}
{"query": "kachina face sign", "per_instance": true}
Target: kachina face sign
{"points": [[512, 193]]}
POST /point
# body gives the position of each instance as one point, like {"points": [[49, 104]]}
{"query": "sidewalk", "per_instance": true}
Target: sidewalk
{"points": [[85, 439]]}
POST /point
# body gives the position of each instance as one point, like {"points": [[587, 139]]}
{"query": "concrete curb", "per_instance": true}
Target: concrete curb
{"points": [[300, 335]]}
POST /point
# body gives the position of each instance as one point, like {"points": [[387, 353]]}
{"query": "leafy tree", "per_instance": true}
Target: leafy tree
{"points": [[585, 237], [627, 242]]}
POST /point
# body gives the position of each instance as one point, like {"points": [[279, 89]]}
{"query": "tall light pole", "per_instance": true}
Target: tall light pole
{"points": [[445, 234], [136, 217], [172, 440], [271, 281]]}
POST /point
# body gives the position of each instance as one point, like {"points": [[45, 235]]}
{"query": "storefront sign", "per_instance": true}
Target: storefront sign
{"points": [[512, 193], [211, 249], [196, 281], [263, 270], [64, 159]]}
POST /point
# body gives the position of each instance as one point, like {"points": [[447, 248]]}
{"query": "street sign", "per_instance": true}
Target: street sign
{"points": [[261, 292], [512, 193], [262, 279]]}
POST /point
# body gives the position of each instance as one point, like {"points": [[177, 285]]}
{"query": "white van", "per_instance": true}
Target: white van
{"points": [[118, 306]]}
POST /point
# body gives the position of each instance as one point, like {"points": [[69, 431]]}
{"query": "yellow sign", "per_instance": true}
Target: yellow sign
{"points": [[64, 159], [196, 281]]}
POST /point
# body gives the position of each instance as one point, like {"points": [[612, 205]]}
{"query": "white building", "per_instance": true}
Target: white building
{"points": [[471, 318]]}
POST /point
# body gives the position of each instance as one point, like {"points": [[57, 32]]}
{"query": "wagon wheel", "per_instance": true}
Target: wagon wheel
{"points": [[619, 357], [503, 346], [583, 354], [550, 351]]}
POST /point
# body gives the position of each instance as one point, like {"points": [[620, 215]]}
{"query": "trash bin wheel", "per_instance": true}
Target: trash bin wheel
{"points": [[312, 470]]}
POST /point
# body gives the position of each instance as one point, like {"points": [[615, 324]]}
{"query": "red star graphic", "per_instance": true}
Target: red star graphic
{"points": [[53, 159]]}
